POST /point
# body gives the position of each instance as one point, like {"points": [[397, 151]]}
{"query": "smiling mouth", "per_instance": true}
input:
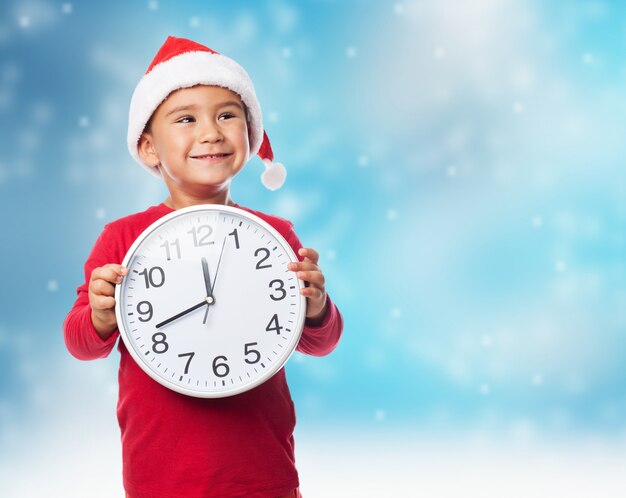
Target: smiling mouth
{"points": [[211, 156]]}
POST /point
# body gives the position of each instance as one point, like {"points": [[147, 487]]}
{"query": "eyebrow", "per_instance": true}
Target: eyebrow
{"points": [[191, 107]]}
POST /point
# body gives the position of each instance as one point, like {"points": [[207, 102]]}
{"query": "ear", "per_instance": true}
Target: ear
{"points": [[146, 150]]}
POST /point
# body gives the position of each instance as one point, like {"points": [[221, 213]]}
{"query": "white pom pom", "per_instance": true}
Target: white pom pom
{"points": [[274, 175]]}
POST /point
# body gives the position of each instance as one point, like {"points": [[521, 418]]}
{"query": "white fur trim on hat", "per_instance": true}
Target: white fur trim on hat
{"points": [[274, 175]]}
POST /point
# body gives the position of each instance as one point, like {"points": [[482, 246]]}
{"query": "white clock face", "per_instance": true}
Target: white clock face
{"points": [[209, 307]]}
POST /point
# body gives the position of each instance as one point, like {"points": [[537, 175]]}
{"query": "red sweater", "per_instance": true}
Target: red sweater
{"points": [[177, 446]]}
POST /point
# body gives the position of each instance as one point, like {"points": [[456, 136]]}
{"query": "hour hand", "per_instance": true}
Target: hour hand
{"points": [[208, 286], [207, 277]]}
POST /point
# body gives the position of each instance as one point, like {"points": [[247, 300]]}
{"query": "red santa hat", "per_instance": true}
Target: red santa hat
{"points": [[182, 63]]}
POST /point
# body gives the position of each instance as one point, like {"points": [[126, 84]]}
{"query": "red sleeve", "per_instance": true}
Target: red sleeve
{"points": [[81, 338], [323, 338]]}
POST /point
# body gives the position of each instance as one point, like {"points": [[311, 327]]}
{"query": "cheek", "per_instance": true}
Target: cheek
{"points": [[244, 135], [172, 143]]}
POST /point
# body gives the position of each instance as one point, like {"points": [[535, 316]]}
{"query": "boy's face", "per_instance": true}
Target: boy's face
{"points": [[199, 139]]}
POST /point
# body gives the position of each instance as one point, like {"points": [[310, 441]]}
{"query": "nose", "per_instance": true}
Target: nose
{"points": [[209, 131]]}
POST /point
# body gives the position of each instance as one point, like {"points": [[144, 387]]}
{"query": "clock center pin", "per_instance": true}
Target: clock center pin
{"points": [[210, 300]]}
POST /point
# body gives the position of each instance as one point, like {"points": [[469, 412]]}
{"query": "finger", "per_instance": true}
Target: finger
{"points": [[101, 287], [111, 273], [303, 266], [102, 302], [119, 269], [312, 292], [310, 255], [314, 278]]}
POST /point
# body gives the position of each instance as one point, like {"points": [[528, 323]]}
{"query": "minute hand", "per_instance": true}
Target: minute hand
{"points": [[182, 313], [217, 269]]}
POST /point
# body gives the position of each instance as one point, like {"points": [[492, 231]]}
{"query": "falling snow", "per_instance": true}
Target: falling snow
{"points": [[462, 166]]}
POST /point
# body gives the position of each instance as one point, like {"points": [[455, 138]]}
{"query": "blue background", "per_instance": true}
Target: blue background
{"points": [[458, 165]]}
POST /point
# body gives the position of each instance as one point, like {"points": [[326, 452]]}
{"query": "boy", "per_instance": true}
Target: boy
{"points": [[194, 121]]}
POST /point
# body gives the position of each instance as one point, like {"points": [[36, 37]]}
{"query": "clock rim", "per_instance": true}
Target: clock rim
{"points": [[128, 343]]}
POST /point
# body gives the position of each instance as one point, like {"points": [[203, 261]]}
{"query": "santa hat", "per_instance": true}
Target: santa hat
{"points": [[182, 63]]}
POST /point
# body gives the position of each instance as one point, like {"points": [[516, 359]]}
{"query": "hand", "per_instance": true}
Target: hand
{"points": [[207, 277], [309, 272], [208, 300], [101, 291], [207, 285], [218, 266]]}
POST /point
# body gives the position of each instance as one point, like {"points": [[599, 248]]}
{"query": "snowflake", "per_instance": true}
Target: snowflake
{"points": [[398, 9], [24, 22]]}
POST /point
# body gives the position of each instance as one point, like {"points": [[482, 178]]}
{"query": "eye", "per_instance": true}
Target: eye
{"points": [[227, 115], [186, 119]]}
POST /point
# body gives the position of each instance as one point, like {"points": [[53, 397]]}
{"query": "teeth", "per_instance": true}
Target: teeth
{"points": [[210, 155]]}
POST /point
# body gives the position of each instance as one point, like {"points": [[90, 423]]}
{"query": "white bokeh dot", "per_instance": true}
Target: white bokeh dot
{"points": [[194, 22], [83, 122], [363, 161], [537, 379], [485, 390], [486, 341], [24, 21], [440, 52], [66, 8], [153, 5], [331, 255], [351, 52], [286, 52], [392, 214], [272, 117], [396, 313], [101, 213], [518, 107], [53, 285], [560, 266], [380, 415], [451, 172], [537, 221], [398, 9], [587, 58]]}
